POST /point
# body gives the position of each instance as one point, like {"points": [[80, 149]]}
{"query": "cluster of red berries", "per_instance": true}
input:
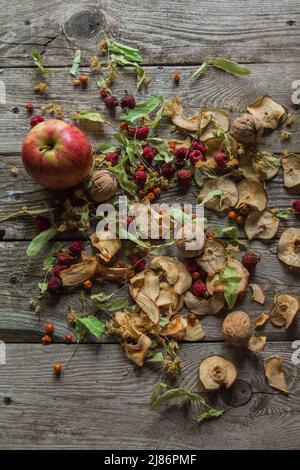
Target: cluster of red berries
{"points": [[296, 206], [64, 259], [112, 158], [111, 101], [250, 260], [36, 120], [199, 277]]}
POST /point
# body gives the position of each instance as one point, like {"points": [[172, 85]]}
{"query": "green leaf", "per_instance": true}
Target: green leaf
{"points": [[142, 109], [198, 177], [140, 76], [200, 71], [164, 154], [164, 321], [89, 115], [76, 63], [106, 303], [285, 214], [173, 394], [215, 193], [124, 182], [231, 285], [156, 358], [92, 324], [117, 59], [50, 259], [230, 66], [84, 218], [156, 249], [42, 287], [271, 160], [212, 413], [129, 53], [38, 62], [232, 232], [106, 148], [40, 241]]}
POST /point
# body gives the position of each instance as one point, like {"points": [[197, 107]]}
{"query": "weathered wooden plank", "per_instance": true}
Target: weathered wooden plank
{"points": [[96, 403], [166, 31], [215, 89], [19, 276]]}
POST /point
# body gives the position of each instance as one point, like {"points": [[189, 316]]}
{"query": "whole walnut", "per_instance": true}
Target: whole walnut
{"points": [[247, 128], [103, 186]]}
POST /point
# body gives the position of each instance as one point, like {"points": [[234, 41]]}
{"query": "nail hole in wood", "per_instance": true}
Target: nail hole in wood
{"points": [[7, 401], [15, 110]]}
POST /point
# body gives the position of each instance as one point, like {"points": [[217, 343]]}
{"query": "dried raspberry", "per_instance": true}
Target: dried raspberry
{"points": [[58, 268], [250, 260], [63, 257], [111, 102], [142, 133], [191, 265], [143, 193], [296, 206], [181, 153], [149, 153], [138, 262], [198, 288], [196, 156], [197, 145], [36, 120], [127, 102], [54, 285], [221, 158], [168, 169], [76, 247], [184, 177], [112, 157], [41, 223], [140, 177]]}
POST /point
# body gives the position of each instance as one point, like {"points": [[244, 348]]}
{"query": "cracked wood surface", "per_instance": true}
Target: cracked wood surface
{"points": [[101, 401]]}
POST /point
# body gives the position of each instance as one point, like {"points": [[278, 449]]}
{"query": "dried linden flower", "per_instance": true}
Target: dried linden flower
{"points": [[41, 88]]}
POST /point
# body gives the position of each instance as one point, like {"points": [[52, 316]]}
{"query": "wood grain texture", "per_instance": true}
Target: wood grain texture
{"points": [[19, 276], [98, 403], [214, 89], [166, 32]]}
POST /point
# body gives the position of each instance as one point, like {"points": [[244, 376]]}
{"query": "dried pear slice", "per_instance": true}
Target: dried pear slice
{"points": [[289, 247], [107, 245], [190, 240], [262, 225], [213, 258], [168, 265], [194, 331], [228, 198], [219, 118], [80, 272], [257, 343], [261, 320], [184, 280], [256, 166], [176, 327], [217, 371], [274, 371], [268, 111], [252, 194], [174, 110], [137, 352], [291, 171], [284, 310], [209, 306], [218, 285]]}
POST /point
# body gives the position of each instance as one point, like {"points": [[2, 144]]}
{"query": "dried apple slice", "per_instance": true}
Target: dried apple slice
{"points": [[284, 310], [194, 331], [214, 257], [261, 320], [228, 196], [257, 166], [274, 371], [218, 285], [175, 328], [107, 245], [168, 265], [184, 280], [209, 306], [190, 240], [268, 111], [216, 372], [252, 194], [137, 352], [174, 110], [80, 272], [289, 247], [262, 225], [291, 171], [258, 294], [257, 343]]}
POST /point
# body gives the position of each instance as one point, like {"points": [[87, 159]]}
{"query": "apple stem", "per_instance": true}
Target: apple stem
{"points": [[45, 148]]}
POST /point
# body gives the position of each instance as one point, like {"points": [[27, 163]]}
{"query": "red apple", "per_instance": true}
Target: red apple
{"points": [[56, 154]]}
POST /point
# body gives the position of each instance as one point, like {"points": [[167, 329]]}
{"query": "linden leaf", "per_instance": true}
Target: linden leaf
{"points": [[231, 289], [198, 177], [38, 62], [157, 358], [230, 66], [106, 148], [129, 53], [40, 241], [140, 76], [92, 324], [216, 193], [285, 214], [200, 71], [76, 63], [143, 109], [212, 413], [173, 394], [89, 115], [105, 302]]}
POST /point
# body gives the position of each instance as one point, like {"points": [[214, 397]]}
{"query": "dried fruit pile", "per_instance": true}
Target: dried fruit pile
{"points": [[170, 293]]}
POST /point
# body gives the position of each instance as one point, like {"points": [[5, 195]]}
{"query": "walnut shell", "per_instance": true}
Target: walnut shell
{"points": [[103, 186], [247, 128]]}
